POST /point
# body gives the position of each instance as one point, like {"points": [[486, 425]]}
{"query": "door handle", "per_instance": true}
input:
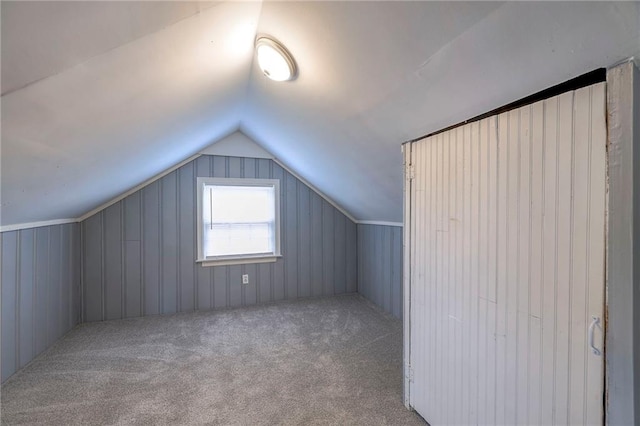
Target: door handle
{"points": [[595, 322]]}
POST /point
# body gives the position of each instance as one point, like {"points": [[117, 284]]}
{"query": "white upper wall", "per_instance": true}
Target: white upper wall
{"points": [[101, 96], [237, 144]]}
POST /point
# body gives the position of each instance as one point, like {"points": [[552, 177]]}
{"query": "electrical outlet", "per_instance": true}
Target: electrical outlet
{"points": [[245, 278]]}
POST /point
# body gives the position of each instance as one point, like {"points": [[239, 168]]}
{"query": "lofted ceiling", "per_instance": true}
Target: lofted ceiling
{"points": [[98, 97]]}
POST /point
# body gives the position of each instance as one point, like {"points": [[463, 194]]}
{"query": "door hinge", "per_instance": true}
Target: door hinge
{"points": [[410, 374], [411, 172]]}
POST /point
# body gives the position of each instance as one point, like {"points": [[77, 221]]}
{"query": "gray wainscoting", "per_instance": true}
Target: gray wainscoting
{"points": [[40, 291], [380, 266], [139, 254]]}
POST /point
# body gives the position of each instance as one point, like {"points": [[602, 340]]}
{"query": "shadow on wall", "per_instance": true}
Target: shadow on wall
{"points": [[380, 266]]}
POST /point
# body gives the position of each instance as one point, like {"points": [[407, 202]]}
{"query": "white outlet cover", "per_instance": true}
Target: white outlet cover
{"points": [[245, 279]]}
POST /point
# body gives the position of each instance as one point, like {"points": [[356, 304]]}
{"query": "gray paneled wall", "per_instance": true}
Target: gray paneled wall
{"points": [[40, 290], [380, 266], [139, 254]]}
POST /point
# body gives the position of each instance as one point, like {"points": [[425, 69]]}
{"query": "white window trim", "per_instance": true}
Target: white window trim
{"points": [[236, 259]]}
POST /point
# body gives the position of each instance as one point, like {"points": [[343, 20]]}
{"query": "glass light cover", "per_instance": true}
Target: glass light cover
{"points": [[273, 61]]}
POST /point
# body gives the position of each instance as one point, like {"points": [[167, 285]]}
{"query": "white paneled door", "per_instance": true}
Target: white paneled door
{"points": [[505, 239]]}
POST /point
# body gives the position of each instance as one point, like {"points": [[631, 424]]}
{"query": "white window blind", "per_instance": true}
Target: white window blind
{"points": [[239, 220]]}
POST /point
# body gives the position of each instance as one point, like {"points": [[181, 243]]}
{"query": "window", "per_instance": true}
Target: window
{"points": [[238, 221]]}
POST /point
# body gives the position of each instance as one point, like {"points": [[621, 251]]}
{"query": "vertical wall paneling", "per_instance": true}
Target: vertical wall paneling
{"points": [[361, 271], [139, 254], [220, 285], [549, 266], [328, 246], [278, 279], [315, 245], [42, 285], [351, 256], [169, 243], [151, 257], [340, 252], [523, 207], [534, 406], [379, 266], [491, 314], [444, 238], [66, 282], [9, 280], [502, 268], [290, 249], [112, 261], [304, 235], [472, 138], [579, 234], [396, 272], [39, 291], [506, 266], [26, 287], [132, 256], [187, 228], [53, 287], [234, 284], [512, 275], [76, 314], [385, 253], [132, 279], [204, 276], [460, 305]]}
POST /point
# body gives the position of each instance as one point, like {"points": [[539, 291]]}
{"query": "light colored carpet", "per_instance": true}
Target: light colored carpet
{"points": [[333, 361]]}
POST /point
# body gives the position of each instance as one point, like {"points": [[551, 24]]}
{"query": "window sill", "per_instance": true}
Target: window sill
{"points": [[238, 260]]}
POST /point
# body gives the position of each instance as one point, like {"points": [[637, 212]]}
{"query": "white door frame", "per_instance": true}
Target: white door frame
{"points": [[406, 284], [622, 362]]}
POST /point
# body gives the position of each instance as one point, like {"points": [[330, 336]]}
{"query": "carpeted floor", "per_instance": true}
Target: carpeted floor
{"points": [[322, 361]]}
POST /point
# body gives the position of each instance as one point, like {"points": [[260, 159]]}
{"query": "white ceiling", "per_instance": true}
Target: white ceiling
{"points": [[98, 97]]}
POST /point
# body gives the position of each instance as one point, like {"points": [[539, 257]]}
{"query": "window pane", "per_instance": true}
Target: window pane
{"points": [[242, 204], [238, 220], [245, 238]]}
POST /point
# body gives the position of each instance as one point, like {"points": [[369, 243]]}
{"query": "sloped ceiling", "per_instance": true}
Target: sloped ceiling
{"points": [[100, 96], [114, 116]]}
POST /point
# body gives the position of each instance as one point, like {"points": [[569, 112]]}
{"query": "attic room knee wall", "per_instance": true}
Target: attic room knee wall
{"points": [[40, 291], [139, 254], [380, 266]]}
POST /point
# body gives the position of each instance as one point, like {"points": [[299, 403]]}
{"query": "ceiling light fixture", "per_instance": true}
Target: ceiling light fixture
{"points": [[274, 59]]}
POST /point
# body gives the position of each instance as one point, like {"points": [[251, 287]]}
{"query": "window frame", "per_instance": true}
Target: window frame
{"points": [[236, 259]]}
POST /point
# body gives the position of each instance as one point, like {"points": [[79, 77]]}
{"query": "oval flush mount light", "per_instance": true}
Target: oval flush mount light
{"points": [[274, 59]]}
